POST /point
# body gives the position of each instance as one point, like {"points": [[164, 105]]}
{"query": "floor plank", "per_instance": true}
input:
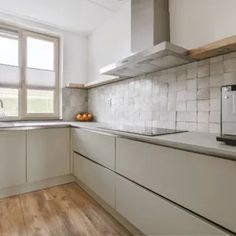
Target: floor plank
{"points": [[97, 215], [11, 217], [64, 210]]}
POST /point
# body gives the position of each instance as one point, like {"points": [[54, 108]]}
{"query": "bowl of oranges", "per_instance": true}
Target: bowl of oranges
{"points": [[84, 116]]}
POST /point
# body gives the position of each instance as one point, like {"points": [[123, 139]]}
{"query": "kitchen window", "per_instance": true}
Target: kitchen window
{"points": [[29, 81]]}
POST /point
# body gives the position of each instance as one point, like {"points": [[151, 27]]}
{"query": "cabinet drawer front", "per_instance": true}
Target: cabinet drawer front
{"points": [[96, 146], [203, 184], [97, 178], [156, 216], [12, 158], [48, 153]]}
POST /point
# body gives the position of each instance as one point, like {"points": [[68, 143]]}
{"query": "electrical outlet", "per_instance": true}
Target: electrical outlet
{"points": [[109, 101]]}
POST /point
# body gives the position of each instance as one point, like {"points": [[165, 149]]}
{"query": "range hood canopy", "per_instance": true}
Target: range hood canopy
{"points": [[149, 23], [150, 36], [162, 56]]}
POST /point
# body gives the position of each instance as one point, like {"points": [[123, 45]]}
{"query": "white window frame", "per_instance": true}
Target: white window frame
{"points": [[22, 54], [9, 118]]}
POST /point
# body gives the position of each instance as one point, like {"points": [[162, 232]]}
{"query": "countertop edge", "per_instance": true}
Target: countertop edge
{"points": [[167, 143], [204, 150]]}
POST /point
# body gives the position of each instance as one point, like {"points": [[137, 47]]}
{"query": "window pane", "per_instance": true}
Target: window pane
{"points": [[43, 78], [40, 54], [9, 75], [10, 101], [40, 101], [8, 50]]}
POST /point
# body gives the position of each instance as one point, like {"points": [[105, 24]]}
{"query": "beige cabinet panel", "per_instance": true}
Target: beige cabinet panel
{"points": [[203, 184], [97, 178], [48, 153], [12, 158], [97, 146], [155, 216]]}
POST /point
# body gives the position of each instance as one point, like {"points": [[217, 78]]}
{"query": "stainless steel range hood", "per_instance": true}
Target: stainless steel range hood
{"points": [[150, 36]]}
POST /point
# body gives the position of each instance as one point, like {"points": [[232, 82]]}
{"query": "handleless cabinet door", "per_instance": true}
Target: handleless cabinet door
{"points": [[154, 215], [201, 183], [97, 146], [97, 178], [48, 153], [12, 158]]}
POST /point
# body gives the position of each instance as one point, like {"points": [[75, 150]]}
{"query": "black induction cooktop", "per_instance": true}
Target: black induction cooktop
{"points": [[147, 131]]}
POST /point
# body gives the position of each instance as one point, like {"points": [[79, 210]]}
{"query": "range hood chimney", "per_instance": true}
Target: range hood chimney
{"points": [[149, 23], [150, 42]]}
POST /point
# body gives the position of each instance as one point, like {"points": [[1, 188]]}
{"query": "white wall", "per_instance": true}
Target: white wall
{"points": [[75, 61], [74, 48], [110, 42], [197, 22]]}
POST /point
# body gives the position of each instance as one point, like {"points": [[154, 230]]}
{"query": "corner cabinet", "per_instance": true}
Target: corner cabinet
{"points": [[12, 158], [133, 178], [48, 153]]}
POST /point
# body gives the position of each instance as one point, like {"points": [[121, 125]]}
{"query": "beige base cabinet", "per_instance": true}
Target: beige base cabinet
{"points": [[12, 158], [154, 215], [97, 178], [201, 183], [48, 153], [97, 146]]}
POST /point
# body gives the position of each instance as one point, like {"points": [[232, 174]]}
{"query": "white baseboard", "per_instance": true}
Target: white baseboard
{"points": [[30, 187]]}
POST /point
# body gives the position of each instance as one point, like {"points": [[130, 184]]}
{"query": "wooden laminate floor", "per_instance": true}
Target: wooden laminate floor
{"points": [[62, 210]]}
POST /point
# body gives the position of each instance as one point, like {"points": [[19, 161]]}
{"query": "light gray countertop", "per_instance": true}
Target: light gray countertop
{"points": [[203, 143], [26, 125]]}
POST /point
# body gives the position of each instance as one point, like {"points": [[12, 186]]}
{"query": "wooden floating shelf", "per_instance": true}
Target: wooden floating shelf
{"points": [[78, 86], [216, 48], [94, 83]]}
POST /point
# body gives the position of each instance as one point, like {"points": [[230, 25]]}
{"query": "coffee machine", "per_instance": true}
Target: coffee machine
{"points": [[228, 115]]}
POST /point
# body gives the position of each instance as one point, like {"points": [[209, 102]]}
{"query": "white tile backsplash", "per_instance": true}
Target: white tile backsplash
{"points": [[203, 117], [217, 67], [230, 77], [203, 93], [192, 85], [216, 80], [230, 65], [192, 70], [191, 105], [73, 101], [214, 128], [185, 97], [181, 106], [203, 71], [203, 105], [215, 116], [202, 127], [181, 74], [203, 83]]}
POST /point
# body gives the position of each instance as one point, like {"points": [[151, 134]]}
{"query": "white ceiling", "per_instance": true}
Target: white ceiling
{"points": [[112, 5], [82, 16]]}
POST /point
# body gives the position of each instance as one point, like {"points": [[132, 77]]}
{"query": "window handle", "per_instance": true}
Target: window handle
{"points": [[1, 103]]}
